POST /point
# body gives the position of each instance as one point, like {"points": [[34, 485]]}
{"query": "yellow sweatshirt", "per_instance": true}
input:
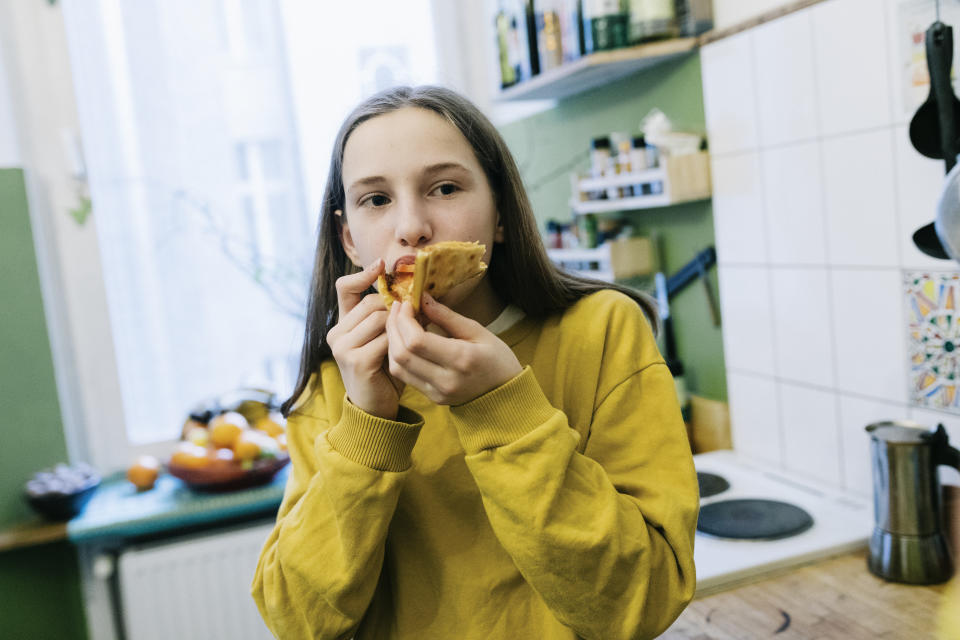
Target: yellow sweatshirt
{"points": [[560, 505]]}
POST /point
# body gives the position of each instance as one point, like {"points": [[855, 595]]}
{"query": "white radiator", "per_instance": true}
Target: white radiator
{"points": [[198, 588]]}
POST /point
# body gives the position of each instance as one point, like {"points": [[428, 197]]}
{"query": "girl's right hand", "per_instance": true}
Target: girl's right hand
{"points": [[359, 344]]}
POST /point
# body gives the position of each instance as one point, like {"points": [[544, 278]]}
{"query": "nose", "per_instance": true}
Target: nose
{"points": [[413, 225]]}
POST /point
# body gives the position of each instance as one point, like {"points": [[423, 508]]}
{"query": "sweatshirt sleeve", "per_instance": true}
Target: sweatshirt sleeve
{"points": [[319, 567], [604, 536]]}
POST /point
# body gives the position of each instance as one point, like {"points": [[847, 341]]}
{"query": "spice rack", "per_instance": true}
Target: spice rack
{"points": [[623, 258], [683, 178]]}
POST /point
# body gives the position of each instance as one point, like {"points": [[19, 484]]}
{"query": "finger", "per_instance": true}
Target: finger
{"points": [[371, 303], [454, 324], [415, 338], [352, 288], [408, 354], [371, 354], [368, 328]]}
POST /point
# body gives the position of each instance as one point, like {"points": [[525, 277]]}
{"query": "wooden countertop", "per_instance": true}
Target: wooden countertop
{"points": [[834, 598]]}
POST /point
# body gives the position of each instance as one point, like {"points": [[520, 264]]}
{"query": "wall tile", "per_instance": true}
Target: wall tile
{"points": [[860, 212], [793, 204], [855, 414], [904, 96], [754, 416], [729, 96], [747, 318], [738, 209], [811, 438], [802, 334], [870, 333], [919, 182], [853, 80], [786, 96]]}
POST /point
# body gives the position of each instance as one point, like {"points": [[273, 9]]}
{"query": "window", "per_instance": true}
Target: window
{"points": [[207, 127]]}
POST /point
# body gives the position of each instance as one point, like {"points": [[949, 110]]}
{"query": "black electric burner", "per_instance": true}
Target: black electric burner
{"points": [[753, 519], [711, 484]]}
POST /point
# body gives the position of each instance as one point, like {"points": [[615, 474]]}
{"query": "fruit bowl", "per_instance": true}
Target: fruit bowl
{"points": [[229, 477]]}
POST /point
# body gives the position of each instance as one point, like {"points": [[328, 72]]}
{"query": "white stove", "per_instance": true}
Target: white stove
{"points": [[842, 522]]}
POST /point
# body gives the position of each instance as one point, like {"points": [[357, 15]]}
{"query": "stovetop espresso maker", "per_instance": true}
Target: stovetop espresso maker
{"points": [[908, 542]]}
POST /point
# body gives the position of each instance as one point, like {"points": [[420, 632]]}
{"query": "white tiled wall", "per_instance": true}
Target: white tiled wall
{"points": [[817, 191]]}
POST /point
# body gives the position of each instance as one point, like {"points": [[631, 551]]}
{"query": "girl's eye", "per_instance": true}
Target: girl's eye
{"points": [[376, 200], [447, 189]]}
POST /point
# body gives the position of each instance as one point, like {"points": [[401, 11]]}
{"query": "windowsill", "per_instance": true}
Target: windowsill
{"points": [[118, 512], [31, 533]]}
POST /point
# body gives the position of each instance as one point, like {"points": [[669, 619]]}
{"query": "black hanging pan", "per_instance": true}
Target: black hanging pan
{"points": [[939, 46], [926, 134]]}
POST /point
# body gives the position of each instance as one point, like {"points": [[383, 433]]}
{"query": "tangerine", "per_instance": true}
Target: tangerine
{"points": [[271, 425], [226, 428], [143, 472], [247, 446], [190, 455]]}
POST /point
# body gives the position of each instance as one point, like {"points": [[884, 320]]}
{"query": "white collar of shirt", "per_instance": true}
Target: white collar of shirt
{"points": [[510, 316]]}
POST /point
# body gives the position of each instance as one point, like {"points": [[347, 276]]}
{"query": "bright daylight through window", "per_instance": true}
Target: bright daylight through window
{"points": [[206, 126]]}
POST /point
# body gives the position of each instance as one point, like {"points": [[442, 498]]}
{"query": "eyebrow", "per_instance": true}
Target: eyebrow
{"points": [[428, 170]]}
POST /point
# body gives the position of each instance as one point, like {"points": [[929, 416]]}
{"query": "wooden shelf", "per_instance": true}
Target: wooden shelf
{"points": [[597, 69]]}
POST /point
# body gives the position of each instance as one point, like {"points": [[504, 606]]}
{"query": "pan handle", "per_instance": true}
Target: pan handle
{"points": [[939, 46]]}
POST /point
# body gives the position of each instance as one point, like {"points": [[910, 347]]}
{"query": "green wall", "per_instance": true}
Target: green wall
{"points": [[40, 586], [548, 145]]}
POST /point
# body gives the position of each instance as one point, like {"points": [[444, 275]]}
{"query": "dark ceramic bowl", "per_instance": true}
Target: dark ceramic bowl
{"points": [[63, 506]]}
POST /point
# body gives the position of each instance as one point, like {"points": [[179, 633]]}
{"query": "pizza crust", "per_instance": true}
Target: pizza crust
{"points": [[438, 269]]}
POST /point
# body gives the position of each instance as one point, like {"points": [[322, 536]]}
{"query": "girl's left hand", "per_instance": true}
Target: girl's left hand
{"points": [[448, 370]]}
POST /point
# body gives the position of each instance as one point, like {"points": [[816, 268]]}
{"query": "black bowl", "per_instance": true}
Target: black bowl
{"points": [[63, 506]]}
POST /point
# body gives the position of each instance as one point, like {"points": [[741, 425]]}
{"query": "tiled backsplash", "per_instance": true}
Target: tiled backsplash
{"points": [[817, 192]]}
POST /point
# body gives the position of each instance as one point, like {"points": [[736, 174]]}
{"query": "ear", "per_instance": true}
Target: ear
{"points": [[346, 239], [498, 235]]}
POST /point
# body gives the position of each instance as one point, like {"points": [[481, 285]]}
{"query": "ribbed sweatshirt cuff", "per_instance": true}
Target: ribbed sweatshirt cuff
{"points": [[375, 442], [502, 415]]}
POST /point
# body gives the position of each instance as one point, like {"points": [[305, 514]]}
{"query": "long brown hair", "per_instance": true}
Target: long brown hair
{"points": [[520, 271]]}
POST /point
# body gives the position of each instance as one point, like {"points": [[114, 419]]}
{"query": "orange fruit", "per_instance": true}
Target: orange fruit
{"points": [[198, 436], [271, 425], [190, 455], [190, 424], [226, 428], [221, 458], [143, 472], [247, 446]]}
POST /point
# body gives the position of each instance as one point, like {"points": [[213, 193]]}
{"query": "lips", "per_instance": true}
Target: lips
{"points": [[410, 259]]}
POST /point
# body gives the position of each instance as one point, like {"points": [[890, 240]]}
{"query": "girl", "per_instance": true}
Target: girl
{"points": [[519, 469]]}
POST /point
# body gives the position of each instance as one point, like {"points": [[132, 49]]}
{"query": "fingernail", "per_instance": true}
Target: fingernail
{"points": [[374, 265], [427, 299]]}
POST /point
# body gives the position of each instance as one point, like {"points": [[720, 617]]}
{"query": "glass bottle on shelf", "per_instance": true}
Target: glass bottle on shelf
{"points": [[624, 164], [607, 21], [652, 20], [549, 43], [508, 74], [599, 158]]}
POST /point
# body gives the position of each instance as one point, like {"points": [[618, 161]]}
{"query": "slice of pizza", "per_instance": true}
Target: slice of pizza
{"points": [[436, 270]]}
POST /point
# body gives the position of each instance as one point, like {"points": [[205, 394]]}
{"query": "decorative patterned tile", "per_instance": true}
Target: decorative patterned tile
{"points": [[933, 338]]}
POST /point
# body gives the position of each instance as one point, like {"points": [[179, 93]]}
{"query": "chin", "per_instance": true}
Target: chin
{"points": [[460, 294]]}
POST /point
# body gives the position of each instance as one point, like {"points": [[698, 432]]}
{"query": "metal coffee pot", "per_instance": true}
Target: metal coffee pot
{"points": [[908, 542]]}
